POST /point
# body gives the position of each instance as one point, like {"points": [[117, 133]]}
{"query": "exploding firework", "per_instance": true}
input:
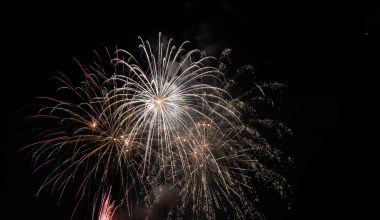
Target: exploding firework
{"points": [[107, 207], [167, 118]]}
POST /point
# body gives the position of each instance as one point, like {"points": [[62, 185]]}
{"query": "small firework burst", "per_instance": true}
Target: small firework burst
{"points": [[107, 207]]}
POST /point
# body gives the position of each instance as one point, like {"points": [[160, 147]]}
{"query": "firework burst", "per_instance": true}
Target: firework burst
{"points": [[107, 207], [166, 118]]}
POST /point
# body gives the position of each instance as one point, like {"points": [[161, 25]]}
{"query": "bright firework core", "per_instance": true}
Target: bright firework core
{"points": [[159, 102]]}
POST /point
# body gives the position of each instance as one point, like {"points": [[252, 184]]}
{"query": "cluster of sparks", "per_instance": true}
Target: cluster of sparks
{"points": [[107, 207], [166, 118]]}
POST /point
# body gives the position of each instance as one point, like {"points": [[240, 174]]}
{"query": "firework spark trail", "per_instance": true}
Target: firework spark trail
{"points": [[107, 207], [165, 118]]}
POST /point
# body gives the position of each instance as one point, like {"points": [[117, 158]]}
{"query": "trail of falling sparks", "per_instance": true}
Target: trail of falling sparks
{"points": [[167, 118]]}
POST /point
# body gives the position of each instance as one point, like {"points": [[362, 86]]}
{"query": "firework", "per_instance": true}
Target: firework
{"points": [[107, 207], [166, 118]]}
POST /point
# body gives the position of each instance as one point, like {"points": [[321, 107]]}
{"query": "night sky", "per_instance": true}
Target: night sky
{"points": [[327, 54]]}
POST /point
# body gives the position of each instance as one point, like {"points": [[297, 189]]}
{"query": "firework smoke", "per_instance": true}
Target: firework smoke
{"points": [[167, 121]]}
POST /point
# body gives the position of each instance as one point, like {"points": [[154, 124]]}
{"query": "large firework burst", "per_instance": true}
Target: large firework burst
{"points": [[167, 119]]}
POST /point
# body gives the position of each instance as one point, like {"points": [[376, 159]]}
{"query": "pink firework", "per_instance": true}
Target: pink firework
{"points": [[107, 207]]}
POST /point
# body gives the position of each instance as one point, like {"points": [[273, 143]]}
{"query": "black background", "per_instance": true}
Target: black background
{"points": [[327, 54]]}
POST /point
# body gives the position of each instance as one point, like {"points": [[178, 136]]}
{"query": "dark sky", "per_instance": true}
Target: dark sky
{"points": [[327, 53]]}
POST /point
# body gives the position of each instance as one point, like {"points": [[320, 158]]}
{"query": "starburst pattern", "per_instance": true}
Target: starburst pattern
{"points": [[167, 118]]}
